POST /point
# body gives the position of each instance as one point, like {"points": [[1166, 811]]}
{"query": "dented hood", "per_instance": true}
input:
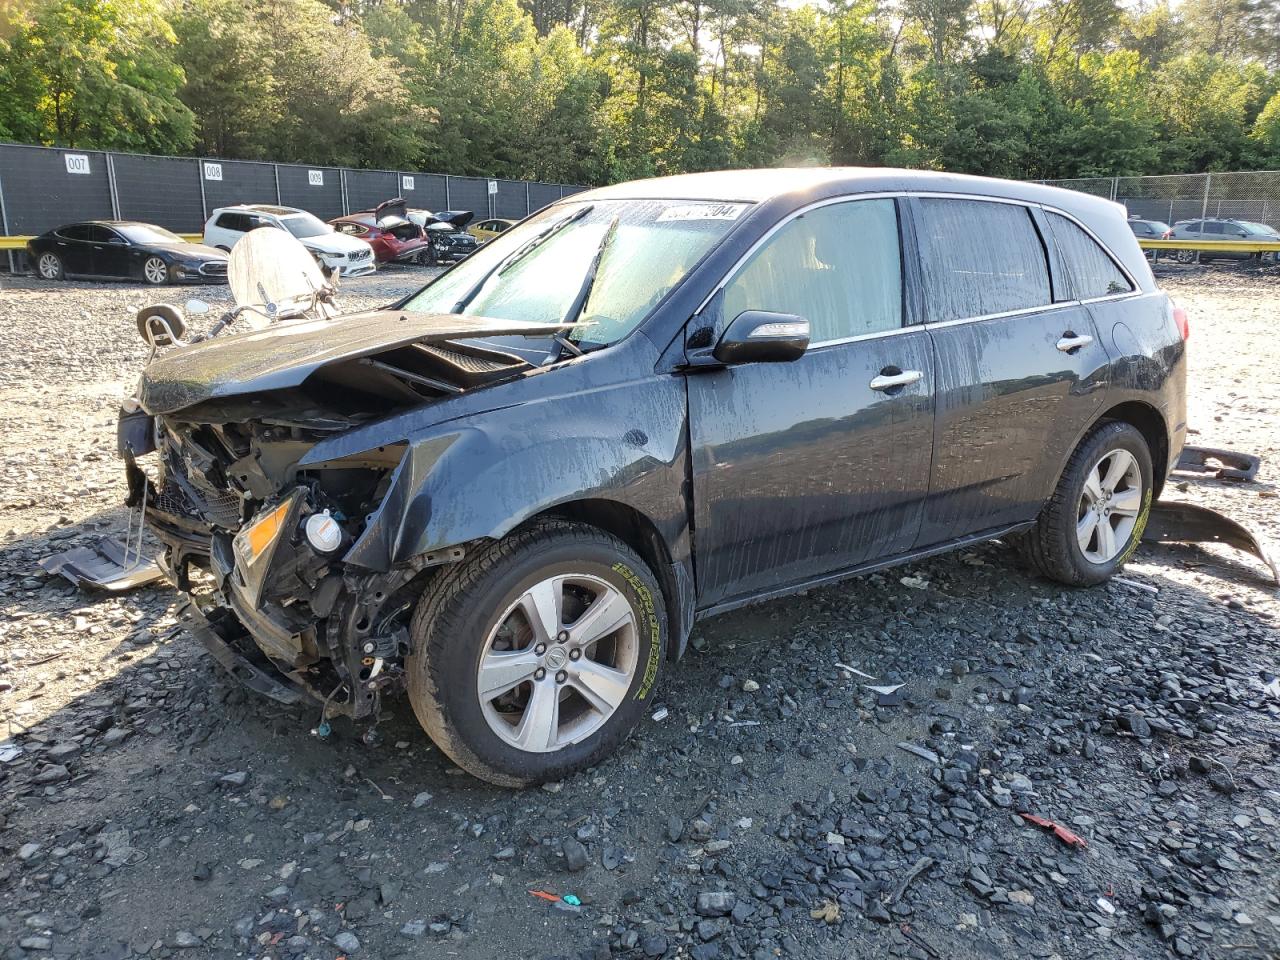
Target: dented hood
{"points": [[285, 355]]}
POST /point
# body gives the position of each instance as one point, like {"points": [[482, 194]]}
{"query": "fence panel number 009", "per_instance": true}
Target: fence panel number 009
{"points": [[76, 162]]}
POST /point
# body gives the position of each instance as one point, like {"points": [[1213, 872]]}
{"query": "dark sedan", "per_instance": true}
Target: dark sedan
{"points": [[124, 250]]}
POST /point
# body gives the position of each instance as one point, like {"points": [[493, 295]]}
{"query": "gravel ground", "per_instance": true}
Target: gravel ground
{"points": [[775, 806]]}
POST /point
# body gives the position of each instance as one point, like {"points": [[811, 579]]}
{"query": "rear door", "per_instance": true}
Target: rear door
{"points": [[806, 468], [1020, 367], [72, 245]]}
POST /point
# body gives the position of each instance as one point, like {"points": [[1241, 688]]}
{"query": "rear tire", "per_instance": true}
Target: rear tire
{"points": [[49, 266], [1186, 256], [1107, 485], [556, 711]]}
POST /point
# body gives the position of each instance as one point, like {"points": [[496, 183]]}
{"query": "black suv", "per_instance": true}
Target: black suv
{"points": [[512, 493]]}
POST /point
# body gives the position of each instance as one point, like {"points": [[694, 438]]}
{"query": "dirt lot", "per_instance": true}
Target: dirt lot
{"points": [[148, 807]]}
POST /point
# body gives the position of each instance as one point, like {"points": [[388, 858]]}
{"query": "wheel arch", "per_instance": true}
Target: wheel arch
{"points": [[1148, 421], [642, 535]]}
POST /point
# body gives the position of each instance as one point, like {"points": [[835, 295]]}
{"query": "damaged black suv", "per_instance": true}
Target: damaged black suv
{"points": [[512, 493]]}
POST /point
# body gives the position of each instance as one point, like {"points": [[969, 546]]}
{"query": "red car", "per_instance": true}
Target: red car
{"points": [[393, 237]]}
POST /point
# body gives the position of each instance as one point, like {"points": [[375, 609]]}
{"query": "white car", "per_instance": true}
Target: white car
{"points": [[348, 256]]}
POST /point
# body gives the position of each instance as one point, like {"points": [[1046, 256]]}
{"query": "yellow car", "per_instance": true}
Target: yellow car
{"points": [[486, 230]]}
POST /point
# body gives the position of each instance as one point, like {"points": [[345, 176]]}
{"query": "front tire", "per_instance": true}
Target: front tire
{"points": [[537, 657], [1094, 521], [49, 266], [155, 271]]}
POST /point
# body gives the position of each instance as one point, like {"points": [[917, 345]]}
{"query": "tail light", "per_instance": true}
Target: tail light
{"points": [[1167, 235], [1180, 320]]}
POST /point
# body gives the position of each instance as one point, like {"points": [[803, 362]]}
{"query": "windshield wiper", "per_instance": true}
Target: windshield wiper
{"points": [[519, 254], [579, 302]]}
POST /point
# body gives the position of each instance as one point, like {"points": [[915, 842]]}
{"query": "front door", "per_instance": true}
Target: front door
{"points": [[807, 468], [1021, 370], [111, 253]]}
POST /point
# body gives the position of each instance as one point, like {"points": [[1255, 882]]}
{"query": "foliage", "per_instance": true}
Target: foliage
{"points": [[588, 91]]}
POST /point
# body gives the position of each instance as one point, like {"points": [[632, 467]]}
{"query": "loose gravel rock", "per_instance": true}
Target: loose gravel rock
{"points": [[149, 807]]}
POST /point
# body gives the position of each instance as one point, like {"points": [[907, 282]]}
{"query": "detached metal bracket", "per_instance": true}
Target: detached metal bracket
{"points": [[1232, 465], [216, 633]]}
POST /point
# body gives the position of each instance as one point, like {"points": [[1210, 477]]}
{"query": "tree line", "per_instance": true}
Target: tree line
{"points": [[593, 91]]}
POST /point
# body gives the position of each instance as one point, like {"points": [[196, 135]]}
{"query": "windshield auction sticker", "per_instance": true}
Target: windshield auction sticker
{"points": [[702, 211]]}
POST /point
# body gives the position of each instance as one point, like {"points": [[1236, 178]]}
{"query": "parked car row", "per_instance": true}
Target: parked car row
{"points": [[1210, 229], [349, 246]]}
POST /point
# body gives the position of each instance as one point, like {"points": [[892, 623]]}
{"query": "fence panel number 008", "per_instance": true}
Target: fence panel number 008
{"points": [[76, 162], [213, 171], [315, 178]]}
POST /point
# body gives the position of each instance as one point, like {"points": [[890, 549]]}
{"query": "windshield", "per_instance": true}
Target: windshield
{"points": [[1256, 228], [146, 233], [641, 249], [305, 225]]}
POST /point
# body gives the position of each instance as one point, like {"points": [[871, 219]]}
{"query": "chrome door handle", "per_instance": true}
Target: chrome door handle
{"points": [[1071, 342], [903, 379]]}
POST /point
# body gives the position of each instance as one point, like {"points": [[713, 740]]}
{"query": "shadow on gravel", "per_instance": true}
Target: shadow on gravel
{"points": [[772, 813]]}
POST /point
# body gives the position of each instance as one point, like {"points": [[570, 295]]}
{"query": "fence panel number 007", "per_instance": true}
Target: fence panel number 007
{"points": [[76, 162]]}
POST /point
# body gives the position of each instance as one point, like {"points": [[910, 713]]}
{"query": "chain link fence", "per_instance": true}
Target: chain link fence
{"points": [[1247, 195], [45, 187]]}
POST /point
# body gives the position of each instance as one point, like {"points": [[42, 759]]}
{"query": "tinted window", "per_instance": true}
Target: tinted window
{"points": [[103, 234], [979, 258], [146, 233], [1090, 271], [1194, 226], [79, 231], [839, 267], [233, 221], [1213, 227]]}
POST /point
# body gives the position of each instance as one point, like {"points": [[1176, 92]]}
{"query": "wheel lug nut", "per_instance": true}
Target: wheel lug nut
{"points": [[540, 649], [562, 636], [575, 654], [561, 677], [539, 674]]}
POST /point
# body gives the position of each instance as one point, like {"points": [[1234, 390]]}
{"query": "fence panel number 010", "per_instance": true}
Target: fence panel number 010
{"points": [[213, 171], [315, 178], [76, 162]]}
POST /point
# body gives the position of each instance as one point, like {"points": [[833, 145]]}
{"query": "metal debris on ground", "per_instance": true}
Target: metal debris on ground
{"points": [[1218, 464], [1059, 831], [105, 563], [921, 752], [1177, 522]]}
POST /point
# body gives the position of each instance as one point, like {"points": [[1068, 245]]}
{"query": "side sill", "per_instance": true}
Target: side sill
{"points": [[894, 561]]}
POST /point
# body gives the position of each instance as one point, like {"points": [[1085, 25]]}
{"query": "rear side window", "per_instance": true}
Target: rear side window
{"points": [[1090, 270], [234, 221], [1213, 227], [839, 267], [980, 258], [79, 231]]}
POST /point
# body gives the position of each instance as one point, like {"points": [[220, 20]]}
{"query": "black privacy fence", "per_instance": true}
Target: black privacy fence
{"points": [[43, 187]]}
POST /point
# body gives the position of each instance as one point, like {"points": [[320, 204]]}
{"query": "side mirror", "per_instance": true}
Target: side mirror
{"points": [[161, 325], [759, 336], [195, 308]]}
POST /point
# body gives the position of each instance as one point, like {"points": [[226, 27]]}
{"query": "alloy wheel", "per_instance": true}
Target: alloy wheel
{"points": [[155, 271], [1109, 506], [49, 266], [558, 663]]}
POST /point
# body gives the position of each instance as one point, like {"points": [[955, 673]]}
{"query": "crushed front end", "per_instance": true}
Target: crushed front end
{"points": [[217, 450]]}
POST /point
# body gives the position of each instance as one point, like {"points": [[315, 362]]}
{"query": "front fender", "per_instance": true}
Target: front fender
{"points": [[480, 476]]}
